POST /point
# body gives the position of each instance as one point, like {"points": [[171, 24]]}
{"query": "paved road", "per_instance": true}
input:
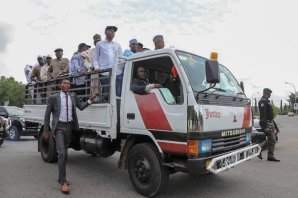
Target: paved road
{"points": [[24, 175]]}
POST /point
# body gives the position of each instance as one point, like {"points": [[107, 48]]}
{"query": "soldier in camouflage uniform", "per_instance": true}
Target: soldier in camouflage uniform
{"points": [[267, 124]]}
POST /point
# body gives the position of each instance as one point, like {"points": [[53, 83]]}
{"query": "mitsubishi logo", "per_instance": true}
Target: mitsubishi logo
{"points": [[235, 118]]}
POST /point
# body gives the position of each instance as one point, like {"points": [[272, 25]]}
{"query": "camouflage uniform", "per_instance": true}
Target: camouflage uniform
{"points": [[267, 124]]}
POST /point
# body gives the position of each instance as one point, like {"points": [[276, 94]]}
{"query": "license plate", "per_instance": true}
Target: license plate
{"points": [[232, 159]]}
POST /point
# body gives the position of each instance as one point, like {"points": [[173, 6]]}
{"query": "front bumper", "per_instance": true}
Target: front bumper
{"points": [[222, 162]]}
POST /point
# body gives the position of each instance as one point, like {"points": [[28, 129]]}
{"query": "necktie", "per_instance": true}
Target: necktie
{"points": [[66, 95]]}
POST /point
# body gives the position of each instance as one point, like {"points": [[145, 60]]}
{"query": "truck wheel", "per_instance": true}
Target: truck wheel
{"points": [[147, 174], [13, 133], [48, 149]]}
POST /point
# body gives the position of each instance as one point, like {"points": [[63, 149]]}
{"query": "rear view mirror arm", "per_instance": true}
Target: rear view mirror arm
{"points": [[212, 86]]}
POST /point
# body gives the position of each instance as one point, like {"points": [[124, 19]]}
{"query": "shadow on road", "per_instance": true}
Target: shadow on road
{"points": [[105, 171]]}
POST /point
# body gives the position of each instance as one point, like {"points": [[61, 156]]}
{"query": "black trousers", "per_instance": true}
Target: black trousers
{"points": [[63, 140]]}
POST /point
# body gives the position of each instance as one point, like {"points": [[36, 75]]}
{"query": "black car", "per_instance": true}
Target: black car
{"points": [[3, 125], [17, 125]]}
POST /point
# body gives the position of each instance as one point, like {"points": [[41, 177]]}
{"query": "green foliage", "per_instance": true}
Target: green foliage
{"points": [[11, 91], [291, 98], [276, 111]]}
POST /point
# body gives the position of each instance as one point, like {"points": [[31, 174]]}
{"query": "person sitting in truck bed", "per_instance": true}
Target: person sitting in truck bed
{"points": [[140, 84]]}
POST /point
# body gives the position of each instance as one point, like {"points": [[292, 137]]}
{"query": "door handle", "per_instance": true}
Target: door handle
{"points": [[130, 116]]}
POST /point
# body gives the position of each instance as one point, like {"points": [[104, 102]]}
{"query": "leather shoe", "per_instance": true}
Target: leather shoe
{"points": [[273, 159], [65, 188]]}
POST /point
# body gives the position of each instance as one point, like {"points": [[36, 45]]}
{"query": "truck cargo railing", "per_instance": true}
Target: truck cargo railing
{"points": [[92, 83]]}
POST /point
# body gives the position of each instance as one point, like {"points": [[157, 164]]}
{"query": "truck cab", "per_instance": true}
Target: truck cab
{"points": [[198, 121]]}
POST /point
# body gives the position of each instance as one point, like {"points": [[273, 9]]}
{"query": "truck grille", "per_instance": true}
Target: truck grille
{"points": [[220, 145]]}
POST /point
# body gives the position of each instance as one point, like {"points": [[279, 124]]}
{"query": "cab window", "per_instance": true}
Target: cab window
{"points": [[160, 70]]}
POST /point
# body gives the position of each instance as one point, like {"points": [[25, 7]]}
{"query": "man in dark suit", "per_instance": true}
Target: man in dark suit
{"points": [[62, 106]]}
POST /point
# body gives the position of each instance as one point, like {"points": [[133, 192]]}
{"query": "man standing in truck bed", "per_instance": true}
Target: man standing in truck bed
{"points": [[59, 65], [266, 122]]}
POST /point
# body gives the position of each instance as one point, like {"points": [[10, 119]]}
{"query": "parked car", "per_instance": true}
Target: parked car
{"points": [[258, 135], [17, 125], [291, 114]]}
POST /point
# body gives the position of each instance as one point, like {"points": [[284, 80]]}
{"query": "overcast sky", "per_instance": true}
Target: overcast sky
{"points": [[256, 39]]}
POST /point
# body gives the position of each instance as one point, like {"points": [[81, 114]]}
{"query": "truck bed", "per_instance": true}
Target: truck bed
{"points": [[96, 116]]}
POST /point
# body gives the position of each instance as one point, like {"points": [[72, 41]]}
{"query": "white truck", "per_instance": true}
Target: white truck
{"points": [[200, 121]]}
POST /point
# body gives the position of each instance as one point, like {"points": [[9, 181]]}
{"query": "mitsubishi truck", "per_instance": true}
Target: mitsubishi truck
{"points": [[199, 120]]}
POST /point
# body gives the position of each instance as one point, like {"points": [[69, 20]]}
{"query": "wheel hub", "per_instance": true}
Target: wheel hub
{"points": [[11, 133], [142, 170]]}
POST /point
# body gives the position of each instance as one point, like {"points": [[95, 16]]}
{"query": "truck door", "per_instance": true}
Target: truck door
{"points": [[161, 112]]}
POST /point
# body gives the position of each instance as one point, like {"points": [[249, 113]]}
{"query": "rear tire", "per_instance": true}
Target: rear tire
{"points": [[48, 149], [147, 174], [13, 133]]}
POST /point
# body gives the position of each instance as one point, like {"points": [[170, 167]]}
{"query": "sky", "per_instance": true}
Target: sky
{"points": [[256, 39]]}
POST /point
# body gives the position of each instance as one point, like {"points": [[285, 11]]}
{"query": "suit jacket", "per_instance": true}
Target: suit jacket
{"points": [[138, 86], [54, 107]]}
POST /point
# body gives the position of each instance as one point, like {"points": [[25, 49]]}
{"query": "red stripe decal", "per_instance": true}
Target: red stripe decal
{"points": [[152, 113], [173, 148]]}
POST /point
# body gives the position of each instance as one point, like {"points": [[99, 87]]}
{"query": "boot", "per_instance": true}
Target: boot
{"points": [[273, 159]]}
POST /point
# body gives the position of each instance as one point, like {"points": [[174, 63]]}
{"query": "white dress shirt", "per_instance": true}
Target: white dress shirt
{"points": [[28, 72], [44, 72], [94, 59], [108, 54], [63, 109]]}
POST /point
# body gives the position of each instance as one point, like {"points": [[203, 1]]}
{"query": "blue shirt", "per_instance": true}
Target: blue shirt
{"points": [[127, 53], [77, 67]]}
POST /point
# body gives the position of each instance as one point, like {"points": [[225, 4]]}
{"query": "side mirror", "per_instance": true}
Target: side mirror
{"points": [[212, 71], [242, 86]]}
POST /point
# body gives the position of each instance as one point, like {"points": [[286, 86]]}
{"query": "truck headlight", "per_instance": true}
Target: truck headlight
{"points": [[205, 146], [247, 137]]}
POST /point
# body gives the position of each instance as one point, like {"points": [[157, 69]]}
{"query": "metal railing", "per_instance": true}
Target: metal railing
{"points": [[92, 83]]}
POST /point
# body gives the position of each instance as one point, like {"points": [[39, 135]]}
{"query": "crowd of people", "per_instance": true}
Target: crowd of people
{"points": [[104, 55]]}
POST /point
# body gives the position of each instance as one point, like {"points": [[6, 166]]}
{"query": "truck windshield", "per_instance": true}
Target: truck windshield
{"points": [[194, 67]]}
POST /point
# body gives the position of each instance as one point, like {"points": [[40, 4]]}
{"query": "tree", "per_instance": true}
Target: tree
{"points": [[291, 99], [11, 91]]}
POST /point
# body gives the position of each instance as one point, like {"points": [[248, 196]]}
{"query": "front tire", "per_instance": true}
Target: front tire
{"points": [[147, 174], [48, 149], [13, 133]]}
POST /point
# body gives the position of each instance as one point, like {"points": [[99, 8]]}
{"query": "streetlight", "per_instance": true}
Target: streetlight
{"points": [[294, 87]]}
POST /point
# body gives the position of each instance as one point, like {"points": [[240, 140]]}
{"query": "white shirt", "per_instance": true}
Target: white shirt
{"points": [[28, 72], [44, 72], [108, 54], [63, 114], [94, 58]]}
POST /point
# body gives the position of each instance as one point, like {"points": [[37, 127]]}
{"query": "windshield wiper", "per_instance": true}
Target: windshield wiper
{"points": [[240, 93]]}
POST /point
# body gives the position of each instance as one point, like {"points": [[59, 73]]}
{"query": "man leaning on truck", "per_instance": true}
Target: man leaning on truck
{"points": [[62, 106]]}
